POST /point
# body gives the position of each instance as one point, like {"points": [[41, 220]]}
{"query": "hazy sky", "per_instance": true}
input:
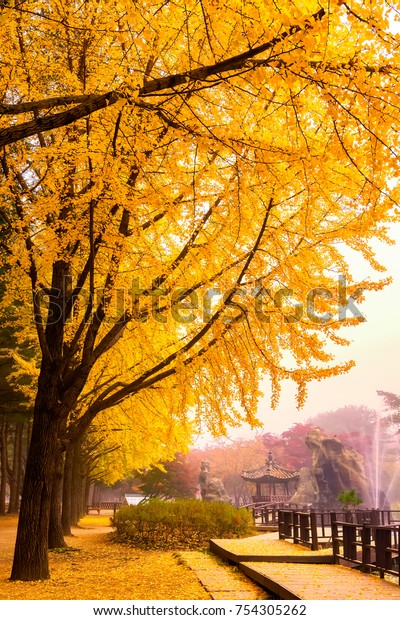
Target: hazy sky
{"points": [[375, 347]]}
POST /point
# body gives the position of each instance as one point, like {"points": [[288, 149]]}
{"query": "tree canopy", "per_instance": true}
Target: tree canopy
{"points": [[237, 153], [178, 182]]}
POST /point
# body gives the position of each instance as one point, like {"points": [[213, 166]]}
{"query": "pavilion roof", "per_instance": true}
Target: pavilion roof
{"points": [[270, 472]]}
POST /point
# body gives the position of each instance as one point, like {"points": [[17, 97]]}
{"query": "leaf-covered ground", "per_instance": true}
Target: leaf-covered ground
{"points": [[99, 570], [268, 544]]}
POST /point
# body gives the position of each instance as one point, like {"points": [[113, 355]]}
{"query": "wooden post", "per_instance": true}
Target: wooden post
{"points": [[398, 550], [366, 548], [296, 527], [304, 521], [314, 532], [280, 524], [383, 541], [335, 538]]}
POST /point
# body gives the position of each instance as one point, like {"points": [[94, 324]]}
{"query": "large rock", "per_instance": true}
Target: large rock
{"points": [[307, 492], [212, 489], [334, 468]]}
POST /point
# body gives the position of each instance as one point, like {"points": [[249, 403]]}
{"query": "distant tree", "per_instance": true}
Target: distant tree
{"points": [[357, 441], [177, 478], [296, 452], [275, 444], [348, 419], [392, 402], [289, 448], [350, 498], [17, 374]]}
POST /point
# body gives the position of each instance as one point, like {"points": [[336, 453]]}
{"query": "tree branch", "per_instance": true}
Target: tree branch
{"points": [[92, 103], [161, 369]]}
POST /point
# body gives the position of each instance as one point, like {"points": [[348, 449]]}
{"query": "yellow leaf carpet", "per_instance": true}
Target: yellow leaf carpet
{"points": [[100, 570]]}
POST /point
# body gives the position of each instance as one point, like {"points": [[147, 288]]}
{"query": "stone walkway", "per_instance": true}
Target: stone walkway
{"points": [[221, 581]]}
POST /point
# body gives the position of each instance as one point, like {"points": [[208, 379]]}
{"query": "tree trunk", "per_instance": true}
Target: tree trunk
{"points": [[3, 465], [56, 538], [66, 515], [31, 562], [30, 556], [20, 465], [76, 483], [82, 497], [15, 477]]}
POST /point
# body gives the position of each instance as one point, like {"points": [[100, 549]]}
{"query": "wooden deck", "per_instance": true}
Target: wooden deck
{"points": [[319, 582], [265, 548], [293, 572]]}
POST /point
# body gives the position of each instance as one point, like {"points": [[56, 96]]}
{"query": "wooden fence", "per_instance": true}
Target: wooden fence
{"points": [[300, 527], [313, 528], [366, 538], [372, 547]]}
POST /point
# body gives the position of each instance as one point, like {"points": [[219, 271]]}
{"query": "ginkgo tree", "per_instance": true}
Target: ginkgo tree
{"points": [[179, 180]]}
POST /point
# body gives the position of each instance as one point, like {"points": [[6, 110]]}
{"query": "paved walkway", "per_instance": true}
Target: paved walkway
{"points": [[222, 582]]}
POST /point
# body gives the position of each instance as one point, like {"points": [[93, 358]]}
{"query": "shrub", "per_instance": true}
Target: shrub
{"points": [[349, 498], [180, 524]]}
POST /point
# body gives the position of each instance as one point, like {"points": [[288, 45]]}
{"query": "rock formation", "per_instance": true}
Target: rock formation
{"points": [[334, 468], [307, 492], [212, 489]]}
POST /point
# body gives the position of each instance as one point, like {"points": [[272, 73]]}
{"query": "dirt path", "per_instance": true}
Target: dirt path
{"points": [[95, 569]]}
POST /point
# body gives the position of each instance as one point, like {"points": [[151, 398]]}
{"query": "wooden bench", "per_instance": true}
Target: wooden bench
{"points": [[103, 506], [96, 507]]}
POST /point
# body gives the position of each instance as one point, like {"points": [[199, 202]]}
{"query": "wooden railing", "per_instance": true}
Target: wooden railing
{"points": [[366, 538], [372, 547], [312, 528], [300, 527], [270, 499], [267, 514]]}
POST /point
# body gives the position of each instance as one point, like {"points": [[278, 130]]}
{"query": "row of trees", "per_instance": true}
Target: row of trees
{"points": [[177, 182], [16, 395]]}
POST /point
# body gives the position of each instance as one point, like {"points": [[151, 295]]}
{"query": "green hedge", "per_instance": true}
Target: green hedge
{"points": [[180, 524]]}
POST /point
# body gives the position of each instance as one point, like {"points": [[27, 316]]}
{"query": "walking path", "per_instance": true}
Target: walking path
{"points": [[293, 572], [222, 582]]}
